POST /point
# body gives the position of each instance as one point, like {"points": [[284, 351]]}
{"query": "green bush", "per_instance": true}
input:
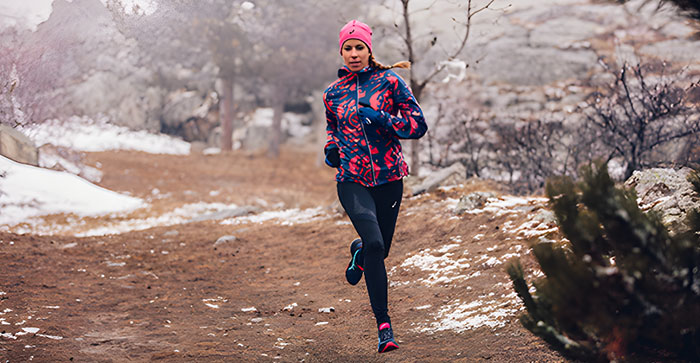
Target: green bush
{"points": [[620, 287]]}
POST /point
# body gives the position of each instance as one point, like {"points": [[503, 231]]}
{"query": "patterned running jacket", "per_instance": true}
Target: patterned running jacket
{"points": [[370, 152]]}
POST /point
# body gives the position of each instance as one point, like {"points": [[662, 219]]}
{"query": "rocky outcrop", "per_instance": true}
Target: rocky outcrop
{"points": [[666, 192], [17, 147], [452, 175]]}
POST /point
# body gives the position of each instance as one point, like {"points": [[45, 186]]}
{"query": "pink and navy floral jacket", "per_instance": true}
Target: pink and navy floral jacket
{"points": [[370, 153]]}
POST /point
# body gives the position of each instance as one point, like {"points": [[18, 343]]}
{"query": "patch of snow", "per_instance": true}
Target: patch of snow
{"points": [[506, 205], [287, 217], [534, 228], [459, 316], [177, 216], [211, 151], [86, 134], [30, 192], [53, 337], [443, 269], [446, 248]]}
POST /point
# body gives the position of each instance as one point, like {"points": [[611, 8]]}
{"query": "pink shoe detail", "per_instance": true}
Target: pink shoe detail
{"points": [[384, 325], [389, 346]]}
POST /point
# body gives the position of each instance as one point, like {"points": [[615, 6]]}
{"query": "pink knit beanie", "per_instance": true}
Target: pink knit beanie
{"points": [[355, 30]]}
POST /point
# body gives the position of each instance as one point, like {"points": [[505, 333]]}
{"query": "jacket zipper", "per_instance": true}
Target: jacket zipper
{"points": [[362, 124]]}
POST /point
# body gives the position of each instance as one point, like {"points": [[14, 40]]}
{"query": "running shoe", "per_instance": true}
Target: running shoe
{"points": [[386, 339], [354, 271]]}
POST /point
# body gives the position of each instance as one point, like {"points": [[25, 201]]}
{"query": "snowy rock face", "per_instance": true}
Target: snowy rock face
{"points": [[667, 192]]}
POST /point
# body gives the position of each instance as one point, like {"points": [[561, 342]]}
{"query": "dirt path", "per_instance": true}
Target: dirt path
{"points": [[170, 294]]}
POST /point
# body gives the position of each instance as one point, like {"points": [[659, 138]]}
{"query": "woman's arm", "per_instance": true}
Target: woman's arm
{"points": [[331, 147], [411, 124]]}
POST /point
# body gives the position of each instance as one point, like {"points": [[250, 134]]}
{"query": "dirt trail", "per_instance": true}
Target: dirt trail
{"points": [[170, 294]]}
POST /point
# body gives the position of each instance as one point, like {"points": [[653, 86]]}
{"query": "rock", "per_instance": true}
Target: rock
{"points": [[545, 216], [667, 192], [224, 240], [449, 176], [14, 145], [180, 107], [472, 201]]}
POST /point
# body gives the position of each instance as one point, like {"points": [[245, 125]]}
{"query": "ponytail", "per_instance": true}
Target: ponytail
{"points": [[374, 63]]}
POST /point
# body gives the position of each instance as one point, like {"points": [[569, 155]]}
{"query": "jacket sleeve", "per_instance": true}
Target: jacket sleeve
{"points": [[331, 127], [412, 123]]}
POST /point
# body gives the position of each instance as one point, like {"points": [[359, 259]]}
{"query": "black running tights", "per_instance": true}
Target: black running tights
{"points": [[373, 212]]}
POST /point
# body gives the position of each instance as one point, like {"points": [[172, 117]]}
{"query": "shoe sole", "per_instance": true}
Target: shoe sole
{"points": [[389, 347]]}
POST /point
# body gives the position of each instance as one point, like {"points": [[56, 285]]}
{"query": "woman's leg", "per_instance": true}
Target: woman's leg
{"points": [[387, 198], [362, 210]]}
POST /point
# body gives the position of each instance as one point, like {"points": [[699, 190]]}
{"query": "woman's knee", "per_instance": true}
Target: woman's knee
{"points": [[373, 247]]}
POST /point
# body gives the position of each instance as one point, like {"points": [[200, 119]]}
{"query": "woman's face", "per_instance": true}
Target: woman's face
{"points": [[355, 54]]}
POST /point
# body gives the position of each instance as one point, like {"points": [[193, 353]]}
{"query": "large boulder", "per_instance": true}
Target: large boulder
{"points": [[667, 192], [17, 147]]}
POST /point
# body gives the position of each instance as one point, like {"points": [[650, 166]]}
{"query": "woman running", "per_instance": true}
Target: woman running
{"points": [[368, 109]]}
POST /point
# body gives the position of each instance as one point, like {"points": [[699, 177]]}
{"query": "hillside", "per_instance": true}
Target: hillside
{"points": [[274, 289]]}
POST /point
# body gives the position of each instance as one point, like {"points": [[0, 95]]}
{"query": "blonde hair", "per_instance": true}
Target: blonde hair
{"points": [[374, 63]]}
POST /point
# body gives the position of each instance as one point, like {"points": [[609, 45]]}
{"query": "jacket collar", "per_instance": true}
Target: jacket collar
{"points": [[342, 72]]}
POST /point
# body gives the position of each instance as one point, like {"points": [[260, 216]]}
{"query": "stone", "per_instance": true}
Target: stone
{"points": [[15, 146], [448, 176], [224, 240], [472, 201], [179, 108], [667, 192]]}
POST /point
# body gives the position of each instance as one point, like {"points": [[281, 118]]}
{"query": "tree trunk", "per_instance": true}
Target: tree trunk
{"points": [[226, 115], [276, 132]]}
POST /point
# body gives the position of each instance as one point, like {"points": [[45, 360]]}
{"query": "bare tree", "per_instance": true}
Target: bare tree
{"points": [[412, 50], [639, 114], [258, 48], [38, 65], [191, 34], [9, 78]]}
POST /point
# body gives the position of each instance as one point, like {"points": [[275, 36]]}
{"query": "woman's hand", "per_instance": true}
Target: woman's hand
{"points": [[332, 157], [369, 115]]}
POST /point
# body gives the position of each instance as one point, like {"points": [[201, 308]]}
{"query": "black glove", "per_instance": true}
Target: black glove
{"points": [[332, 157], [369, 115]]}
